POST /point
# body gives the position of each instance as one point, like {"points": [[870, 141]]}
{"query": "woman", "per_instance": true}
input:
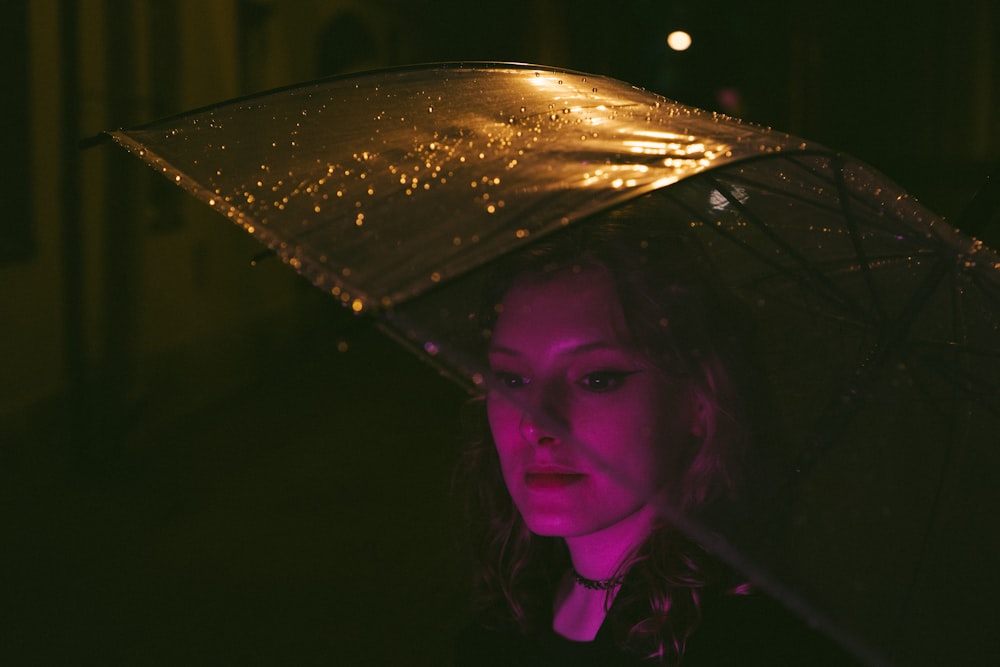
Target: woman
{"points": [[615, 397]]}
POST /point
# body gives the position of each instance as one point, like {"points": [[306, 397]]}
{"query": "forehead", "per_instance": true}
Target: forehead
{"points": [[573, 305]]}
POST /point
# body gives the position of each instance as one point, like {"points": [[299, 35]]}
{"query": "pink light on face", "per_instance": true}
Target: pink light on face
{"points": [[577, 399]]}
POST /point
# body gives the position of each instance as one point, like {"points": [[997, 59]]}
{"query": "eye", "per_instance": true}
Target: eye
{"points": [[510, 380], [604, 381]]}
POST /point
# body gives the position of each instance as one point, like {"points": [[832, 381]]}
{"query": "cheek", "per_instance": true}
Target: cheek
{"points": [[644, 436], [504, 420]]}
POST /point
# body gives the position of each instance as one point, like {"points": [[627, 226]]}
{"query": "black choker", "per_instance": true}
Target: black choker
{"points": [[597, 584]]}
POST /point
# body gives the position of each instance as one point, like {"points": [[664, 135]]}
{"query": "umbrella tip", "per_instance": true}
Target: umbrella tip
{"points": [[93, 140]]}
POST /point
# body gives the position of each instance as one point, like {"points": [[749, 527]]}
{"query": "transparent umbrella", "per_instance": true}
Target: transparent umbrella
{"points": [[876, 325]]}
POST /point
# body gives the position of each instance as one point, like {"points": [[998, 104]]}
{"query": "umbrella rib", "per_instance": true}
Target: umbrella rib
{"points": [[972, 386], [960, 373], [954, 455], [774, 190], [808, 271], [854, 234], [795, 160], [831, 427], [897, 329], [833, 422], [784, 193]]}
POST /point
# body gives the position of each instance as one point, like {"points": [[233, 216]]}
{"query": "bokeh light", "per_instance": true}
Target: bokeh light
{"points": [[679, 40]]}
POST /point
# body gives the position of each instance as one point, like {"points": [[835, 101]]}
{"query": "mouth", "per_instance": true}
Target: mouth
{"points": [[551, 480]]}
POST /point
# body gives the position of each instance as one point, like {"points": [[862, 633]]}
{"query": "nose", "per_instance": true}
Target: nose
{"points": [[537, 430]]}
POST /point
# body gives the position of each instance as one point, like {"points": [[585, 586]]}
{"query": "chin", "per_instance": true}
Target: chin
{"points": [[557, 526], [549, 526]]}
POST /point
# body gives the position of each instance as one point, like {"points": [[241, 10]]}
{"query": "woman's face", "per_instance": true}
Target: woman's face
{"points": [[585, 427]]}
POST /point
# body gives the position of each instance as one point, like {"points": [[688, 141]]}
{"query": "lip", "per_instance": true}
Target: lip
{"points": [[543, 480]]}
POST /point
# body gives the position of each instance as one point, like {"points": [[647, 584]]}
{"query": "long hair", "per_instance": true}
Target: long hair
{"points": [[689, 328]]}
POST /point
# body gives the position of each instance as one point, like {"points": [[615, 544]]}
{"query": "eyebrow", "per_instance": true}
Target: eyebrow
{"points": [[576, 349]]}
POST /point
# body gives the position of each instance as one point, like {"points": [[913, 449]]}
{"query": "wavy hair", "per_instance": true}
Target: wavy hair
{"points": [[689, 327]]}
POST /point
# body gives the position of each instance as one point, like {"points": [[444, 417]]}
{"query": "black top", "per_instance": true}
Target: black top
{"points": [[736, 631]]}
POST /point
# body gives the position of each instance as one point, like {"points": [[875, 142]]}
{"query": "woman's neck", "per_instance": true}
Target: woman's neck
{"points": [[578, 611], [600, 555]]}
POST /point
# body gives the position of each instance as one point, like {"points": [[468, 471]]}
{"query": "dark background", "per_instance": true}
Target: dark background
{"points": [[294, 505]]}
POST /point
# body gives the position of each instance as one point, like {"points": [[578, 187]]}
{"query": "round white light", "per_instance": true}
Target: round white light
{"points": [[679, 40]]}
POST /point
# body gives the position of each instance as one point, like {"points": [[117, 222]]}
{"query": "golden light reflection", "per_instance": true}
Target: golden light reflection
{"points": [[647, 147], [665, 136], [665, 181]]}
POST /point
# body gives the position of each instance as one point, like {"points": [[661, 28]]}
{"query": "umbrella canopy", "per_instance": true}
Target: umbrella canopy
{"points": [[482, 158], [877, 325]]}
